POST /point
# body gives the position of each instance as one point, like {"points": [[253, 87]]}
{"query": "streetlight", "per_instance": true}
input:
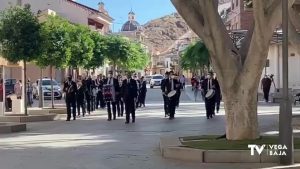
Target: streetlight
{"points": [[285, 115]]}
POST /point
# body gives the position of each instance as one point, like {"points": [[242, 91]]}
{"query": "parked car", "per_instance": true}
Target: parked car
{"points": [[148, 79], [46, 87], [156, 80]]}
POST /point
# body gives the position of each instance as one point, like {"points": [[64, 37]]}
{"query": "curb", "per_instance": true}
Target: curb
{"points": [[172, 148]]}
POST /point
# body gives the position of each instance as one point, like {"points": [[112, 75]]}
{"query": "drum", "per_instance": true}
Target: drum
{"points": [[210, 94], [172, 93], [107, 93]]}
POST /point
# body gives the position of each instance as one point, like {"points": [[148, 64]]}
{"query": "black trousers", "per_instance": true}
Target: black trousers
{"points": [[178, 94], [71, 103], [109, 105], [89, 103], [93, 103], [81, 104], [172, 107], [130, 109], [266, 94], [142, 98], [120, 107], [210, 106], [99, 100], [166, 105]]}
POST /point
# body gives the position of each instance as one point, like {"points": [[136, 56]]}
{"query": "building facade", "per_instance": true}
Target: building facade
{"points": [[96, 19]]}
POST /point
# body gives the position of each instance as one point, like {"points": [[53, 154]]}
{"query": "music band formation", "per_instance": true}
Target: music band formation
{"points": [[121, 95], [116, 94]]}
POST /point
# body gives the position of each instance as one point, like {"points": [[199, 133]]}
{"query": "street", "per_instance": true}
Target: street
{"points": [[94, 143]]}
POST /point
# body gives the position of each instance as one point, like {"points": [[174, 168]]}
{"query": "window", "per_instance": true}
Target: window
{"points": [[232, 4], [236, 2]]}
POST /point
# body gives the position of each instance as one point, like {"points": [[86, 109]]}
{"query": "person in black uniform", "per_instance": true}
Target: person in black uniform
{"points": [[115, 92], [138, 83], [217, 93], [80, 97], [129, 92], [70, 89], [119, 100], [165, 97], [97, 84], [208, 84], [143, 92], [169, 85], [178, 94], [89, 94]]}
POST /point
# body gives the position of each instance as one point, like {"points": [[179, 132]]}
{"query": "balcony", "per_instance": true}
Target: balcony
{"points": [[160, 64]]}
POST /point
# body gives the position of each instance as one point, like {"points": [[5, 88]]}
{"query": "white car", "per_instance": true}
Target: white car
{"points": [[156, 80], [46, 87]]}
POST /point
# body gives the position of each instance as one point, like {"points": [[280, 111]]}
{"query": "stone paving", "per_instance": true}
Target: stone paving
{"points": [[94, 143]]}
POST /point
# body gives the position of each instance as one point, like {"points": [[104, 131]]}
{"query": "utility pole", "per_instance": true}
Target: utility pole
{"points": [[285, 115]]}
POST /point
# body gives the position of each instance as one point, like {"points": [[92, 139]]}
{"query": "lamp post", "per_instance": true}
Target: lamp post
{"points": [[285, 115]]}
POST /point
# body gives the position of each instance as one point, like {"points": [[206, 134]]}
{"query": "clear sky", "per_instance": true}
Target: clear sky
{"points": [[145, 10]]}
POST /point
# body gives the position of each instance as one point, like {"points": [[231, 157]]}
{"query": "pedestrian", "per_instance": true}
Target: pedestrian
{"points": [[129, 92], [70, 89], [208, 87], [18, 89], [29, 93], [266, 86], [80, 98], [143, 92], [119, 100], [164, 93], [217, 93], [111, 89]]}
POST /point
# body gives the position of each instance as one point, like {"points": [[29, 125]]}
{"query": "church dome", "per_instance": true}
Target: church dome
{"points": [[130, 26]]}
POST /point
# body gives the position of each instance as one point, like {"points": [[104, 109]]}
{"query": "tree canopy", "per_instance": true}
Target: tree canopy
{"points": [[195, 56], [20, 34], [118, 50], [82, 46], [138, 58], [99, 51], [56, 42]]}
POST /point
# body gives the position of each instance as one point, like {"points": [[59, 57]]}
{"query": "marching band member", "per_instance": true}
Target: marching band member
{"points": [[143, 91], [164, 94], [119, 101], [70, 89], [218, 93], [178, 91], [89, 94], [80, 97], [112, 88], [138, 83], [97, 85], [170, 85], [129, 92], [208, 87]]}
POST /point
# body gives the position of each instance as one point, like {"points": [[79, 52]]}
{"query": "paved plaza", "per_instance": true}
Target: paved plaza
{"points": [[94, 143]]}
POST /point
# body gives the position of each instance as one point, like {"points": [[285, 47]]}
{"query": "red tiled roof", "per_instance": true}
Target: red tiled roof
{"points": [[89, 8]]}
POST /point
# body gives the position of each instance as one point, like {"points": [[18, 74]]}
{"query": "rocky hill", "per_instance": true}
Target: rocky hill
{"points": [[163, 32]]}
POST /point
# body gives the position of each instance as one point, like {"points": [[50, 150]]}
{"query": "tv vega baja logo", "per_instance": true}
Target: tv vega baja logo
{"points": [[271, 150]]}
